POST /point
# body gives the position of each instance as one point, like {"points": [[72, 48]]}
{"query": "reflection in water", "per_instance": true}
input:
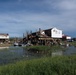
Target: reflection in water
{"points": [[69, 51], [57, 53], [31, 55], [14, 54]]}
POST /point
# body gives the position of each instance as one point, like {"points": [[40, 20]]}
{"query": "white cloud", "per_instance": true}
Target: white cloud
{"points": [[67, 4]]}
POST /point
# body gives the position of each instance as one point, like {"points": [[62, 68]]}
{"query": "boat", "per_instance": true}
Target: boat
{"points": [[15, 44]]}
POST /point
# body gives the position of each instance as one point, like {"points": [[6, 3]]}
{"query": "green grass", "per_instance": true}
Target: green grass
{"points": [[57, 48], [42, 48], [73, 43], [64, 65], [45, 49]]}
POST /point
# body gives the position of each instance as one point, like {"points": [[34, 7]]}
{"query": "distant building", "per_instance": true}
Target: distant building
{"points": [[4, 37], [66, 37]]}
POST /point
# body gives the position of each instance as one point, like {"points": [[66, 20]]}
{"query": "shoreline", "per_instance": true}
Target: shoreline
{"points": [[4, 47]]}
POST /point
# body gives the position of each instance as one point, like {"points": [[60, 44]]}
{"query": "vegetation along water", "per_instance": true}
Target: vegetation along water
{"points": [[41, 60], [59, 65]]}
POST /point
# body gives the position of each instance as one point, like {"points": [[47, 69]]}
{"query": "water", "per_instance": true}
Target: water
{"points": [[68, 51], [13, 54]]}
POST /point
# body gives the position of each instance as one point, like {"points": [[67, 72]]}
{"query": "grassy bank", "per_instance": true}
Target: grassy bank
{"points": [[73, 43], [5, 45], [64, 65], [45, 49]]}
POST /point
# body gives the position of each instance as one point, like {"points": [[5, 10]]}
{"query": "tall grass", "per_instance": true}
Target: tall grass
{"points": [[60, 65]]}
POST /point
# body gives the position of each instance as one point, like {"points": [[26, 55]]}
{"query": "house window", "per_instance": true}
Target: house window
{"points": [[53, 30]]}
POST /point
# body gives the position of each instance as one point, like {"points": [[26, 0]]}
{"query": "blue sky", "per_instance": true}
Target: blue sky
{"points": [[19, 16]]}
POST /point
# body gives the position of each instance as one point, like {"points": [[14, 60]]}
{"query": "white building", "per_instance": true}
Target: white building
{"points": [[54, 33], [4, 37], [66, 37]]}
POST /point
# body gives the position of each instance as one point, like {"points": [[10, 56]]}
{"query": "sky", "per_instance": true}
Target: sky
{"points": [[19, 16]]}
